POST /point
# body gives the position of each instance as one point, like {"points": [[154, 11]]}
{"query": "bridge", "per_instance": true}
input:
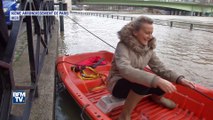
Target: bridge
{"points": [[202, 7]]}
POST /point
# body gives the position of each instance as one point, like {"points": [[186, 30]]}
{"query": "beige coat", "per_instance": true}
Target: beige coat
{"points": [[131, 57]]}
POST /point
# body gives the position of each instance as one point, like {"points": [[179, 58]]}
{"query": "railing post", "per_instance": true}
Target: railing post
{"points": [[61, 17], [171, 23], [191, 26], [5, 84]]}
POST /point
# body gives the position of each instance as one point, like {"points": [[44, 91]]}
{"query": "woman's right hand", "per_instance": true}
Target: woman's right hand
{"points": [[165, 85]]}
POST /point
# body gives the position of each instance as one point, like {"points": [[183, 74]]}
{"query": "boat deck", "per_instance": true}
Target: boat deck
{"points": [[148, 108]]}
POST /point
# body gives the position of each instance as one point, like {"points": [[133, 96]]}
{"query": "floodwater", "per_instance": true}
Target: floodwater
{"points": [[187, 52]]}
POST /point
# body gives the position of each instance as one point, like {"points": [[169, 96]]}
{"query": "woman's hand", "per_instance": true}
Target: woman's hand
{"points": [[186, 83], [165, 85]]}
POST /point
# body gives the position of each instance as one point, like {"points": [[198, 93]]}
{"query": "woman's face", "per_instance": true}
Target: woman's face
{"points": [[144, 35]]}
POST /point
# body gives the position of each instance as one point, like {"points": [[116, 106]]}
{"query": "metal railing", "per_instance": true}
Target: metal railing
{"points": [[62, 6], [39, 26], [171, 23]]}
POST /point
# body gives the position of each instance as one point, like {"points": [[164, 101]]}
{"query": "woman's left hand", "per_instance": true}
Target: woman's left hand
{"points": [[187, 83]]}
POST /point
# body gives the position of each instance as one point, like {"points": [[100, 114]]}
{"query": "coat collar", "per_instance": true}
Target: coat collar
{"points": [[126, 36]]}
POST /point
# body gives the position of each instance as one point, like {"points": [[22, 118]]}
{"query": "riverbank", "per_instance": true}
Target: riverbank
{"points": [[207, 20], [165, 20]]}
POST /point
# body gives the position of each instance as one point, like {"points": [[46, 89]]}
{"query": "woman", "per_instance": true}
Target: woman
{"points": [[128, 80]]}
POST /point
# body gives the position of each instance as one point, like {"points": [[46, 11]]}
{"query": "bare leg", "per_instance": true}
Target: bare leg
{"points": [[130, 103]]}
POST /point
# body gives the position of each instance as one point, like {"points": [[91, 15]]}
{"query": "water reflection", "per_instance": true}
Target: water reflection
{"points": [[66, 107]]}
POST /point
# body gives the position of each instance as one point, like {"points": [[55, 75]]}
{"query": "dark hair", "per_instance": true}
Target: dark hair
{"points": [[137, 23]]}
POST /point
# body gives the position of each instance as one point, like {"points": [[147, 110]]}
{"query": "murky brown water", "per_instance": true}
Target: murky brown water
{"points": [[188, 52]]}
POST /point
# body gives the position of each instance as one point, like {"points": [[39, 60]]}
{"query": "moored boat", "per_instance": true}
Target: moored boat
{"points": [[192, 104]]}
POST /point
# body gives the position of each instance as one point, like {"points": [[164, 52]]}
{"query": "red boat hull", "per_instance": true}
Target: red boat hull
{"points": [[192, 105]]}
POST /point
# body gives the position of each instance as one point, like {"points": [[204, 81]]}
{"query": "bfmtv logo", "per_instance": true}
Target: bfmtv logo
{"points": [[19, 97]]}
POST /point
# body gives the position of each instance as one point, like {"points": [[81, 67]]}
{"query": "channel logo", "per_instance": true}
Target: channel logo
{"points": [[19, 97]]}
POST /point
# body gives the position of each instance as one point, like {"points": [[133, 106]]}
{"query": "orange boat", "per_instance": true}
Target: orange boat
{"points": [[192, 104]]}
